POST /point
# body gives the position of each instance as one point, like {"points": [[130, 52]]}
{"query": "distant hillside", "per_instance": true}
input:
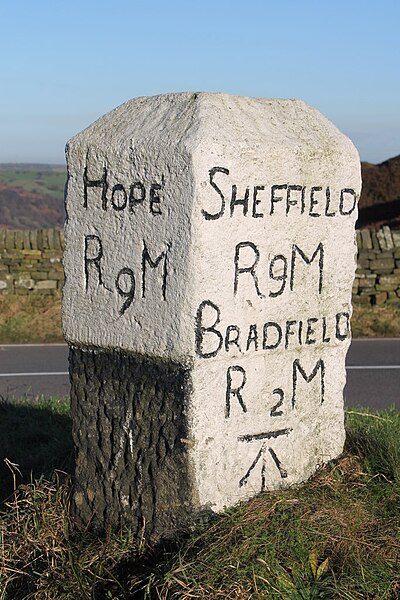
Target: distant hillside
{"points": [[32, 196], [380, 197], [32, 167], [381, 183]]}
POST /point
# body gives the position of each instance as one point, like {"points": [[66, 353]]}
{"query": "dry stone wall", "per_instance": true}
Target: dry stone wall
{"points": [[377, 278], [31, 261]]}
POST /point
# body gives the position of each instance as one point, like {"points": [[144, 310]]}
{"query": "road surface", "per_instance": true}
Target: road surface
{"points": [[34, 369], [373, 375]]}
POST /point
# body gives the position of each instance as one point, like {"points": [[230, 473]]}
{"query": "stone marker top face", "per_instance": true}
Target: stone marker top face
{"points": [[194, 218]]}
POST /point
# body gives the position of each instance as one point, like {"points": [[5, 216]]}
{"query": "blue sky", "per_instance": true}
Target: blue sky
{"points": [[64, 64]]}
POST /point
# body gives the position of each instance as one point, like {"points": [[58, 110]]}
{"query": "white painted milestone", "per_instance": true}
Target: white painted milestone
{"points": [[217, 232]]}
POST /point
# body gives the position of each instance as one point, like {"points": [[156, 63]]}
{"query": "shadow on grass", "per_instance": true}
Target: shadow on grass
{"points": [[36, 436]]}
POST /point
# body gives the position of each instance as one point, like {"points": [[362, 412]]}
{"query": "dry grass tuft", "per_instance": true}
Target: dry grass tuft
{"points": [[43, 557], [32, 531]]}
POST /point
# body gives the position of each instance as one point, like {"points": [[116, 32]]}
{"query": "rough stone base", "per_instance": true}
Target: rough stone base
{"points": [[129, 431]]}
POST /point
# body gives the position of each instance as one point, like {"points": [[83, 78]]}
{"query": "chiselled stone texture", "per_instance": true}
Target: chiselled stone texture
{"points": [[131, 435]]}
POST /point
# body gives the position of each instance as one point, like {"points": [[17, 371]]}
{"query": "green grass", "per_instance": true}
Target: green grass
{"points": [[44, 182], [338, 536]]}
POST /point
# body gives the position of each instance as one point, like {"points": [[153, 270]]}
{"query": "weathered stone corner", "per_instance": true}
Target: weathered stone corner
{"points": [[130, 431]]}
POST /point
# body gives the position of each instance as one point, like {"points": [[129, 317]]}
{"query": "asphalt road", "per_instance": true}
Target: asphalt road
{"points": [[373, 375], [31, 370]]}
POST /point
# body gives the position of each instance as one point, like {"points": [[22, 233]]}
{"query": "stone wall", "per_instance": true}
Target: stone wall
{"points": [[31, 261], [377, 278]]}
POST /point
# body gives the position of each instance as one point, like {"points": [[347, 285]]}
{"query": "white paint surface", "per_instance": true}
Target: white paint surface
{"points": [[201, 149]]}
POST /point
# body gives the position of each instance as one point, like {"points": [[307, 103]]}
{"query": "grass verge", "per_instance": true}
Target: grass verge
{"points": [[33, 318], [375, 321], [338, 536]]}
